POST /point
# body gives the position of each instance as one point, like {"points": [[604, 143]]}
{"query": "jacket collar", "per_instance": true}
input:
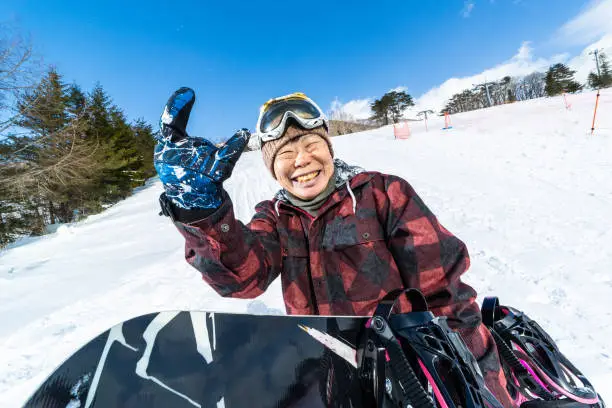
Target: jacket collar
{"points": [[346, 175], [342, 172]]}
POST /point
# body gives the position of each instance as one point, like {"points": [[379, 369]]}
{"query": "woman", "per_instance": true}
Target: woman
{"points": [[339, 237]]}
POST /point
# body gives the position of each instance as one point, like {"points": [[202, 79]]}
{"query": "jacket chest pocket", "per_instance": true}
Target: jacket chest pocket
{"points": [[295, 270], [345, 232], [293, 240], [359, 250]]}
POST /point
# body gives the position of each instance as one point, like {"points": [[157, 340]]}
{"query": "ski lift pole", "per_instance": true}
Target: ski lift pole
{"points": [[424, 113]]}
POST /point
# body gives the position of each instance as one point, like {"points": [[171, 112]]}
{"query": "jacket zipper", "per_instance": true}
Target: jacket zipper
{"points": [[313, 298]]}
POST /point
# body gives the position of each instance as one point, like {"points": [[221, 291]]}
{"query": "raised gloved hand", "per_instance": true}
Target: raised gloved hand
{"points": [[192, 169]]}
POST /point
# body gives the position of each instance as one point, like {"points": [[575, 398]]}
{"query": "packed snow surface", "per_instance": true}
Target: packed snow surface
{"points": [[525, 185]]}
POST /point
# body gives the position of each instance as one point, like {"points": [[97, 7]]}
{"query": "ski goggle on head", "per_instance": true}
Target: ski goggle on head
{"points": [[274, 115]]}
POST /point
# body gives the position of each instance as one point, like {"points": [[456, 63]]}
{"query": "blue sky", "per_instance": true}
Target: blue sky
{"points": [[236, 55]]}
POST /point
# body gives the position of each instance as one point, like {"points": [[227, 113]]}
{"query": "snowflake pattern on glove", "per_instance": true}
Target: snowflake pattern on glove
{"points": [[193, 169]]}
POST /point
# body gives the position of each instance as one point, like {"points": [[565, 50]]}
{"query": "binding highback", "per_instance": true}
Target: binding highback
{"points": [[535, 368], [416, 359]]}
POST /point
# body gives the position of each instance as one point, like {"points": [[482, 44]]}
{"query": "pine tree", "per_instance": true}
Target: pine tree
{"points": [[42, 114], [12, 218], [553, 87], [559, 79], [145, 143], [118, 152], [593, 81], [606, 71], [43, 109], [380, 111], [391, 106], [123, 161], [72, 155], [75, 101], [99, 129], [54, 159], [399, 101], [603, 79], [97, 110]]}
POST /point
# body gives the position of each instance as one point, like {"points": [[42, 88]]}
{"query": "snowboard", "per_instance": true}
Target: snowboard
{"points": [[203, 359]]}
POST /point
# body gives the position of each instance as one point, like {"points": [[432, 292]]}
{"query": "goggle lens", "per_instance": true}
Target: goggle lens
{"points": [[273, 116]]}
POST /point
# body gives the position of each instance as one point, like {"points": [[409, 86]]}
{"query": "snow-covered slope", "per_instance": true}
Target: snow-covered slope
{"points": [[525, 186]]}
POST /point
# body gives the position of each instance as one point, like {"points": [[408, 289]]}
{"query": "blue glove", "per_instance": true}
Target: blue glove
{"points": [[192, 169]]}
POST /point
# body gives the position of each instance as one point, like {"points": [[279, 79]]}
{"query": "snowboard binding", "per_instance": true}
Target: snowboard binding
{"points": [[416, 360], [538, 373]]}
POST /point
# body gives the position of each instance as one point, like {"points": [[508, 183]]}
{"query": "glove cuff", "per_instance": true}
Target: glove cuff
{"points": [[184, 215]]}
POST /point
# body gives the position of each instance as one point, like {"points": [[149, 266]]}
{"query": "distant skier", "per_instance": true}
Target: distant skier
{"points": [[339, 237]]}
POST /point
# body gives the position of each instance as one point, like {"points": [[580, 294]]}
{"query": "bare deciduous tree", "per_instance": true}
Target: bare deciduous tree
{"points": [[55, 172], [18, 72], [491, 93], [342, 123]]}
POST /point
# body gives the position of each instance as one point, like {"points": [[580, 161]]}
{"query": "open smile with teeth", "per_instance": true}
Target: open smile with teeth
{"points": [[306, 177]]}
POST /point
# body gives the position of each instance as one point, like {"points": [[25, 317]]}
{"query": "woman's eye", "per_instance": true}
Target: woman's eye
{"points": [[285, 155]]}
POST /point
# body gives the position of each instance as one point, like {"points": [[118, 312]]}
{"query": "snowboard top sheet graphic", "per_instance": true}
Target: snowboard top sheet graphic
{"points": [[204, 359]]}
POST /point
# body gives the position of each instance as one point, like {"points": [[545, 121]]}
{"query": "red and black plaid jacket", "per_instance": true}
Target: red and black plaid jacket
{"points": [[343, 261]]}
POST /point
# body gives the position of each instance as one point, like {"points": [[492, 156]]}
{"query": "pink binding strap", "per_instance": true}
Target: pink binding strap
{"points": [[436, 390], [549, 381]]}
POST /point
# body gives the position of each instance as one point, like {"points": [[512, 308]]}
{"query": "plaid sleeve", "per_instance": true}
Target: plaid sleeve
{"points": [[235, 259], [432, 260]]}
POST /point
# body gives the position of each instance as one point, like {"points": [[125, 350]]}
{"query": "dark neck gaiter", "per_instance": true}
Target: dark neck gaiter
{"points": [[312, 206]]}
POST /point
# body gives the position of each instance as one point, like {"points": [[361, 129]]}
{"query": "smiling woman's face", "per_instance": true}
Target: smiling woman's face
{"points": [[304, 166]]}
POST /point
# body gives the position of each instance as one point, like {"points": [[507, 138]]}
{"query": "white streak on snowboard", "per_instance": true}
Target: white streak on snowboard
{"points": [[75, 402], [149, 336], [115, 334], [341, 349], [214, 336], [200, 332], [202, 338]]}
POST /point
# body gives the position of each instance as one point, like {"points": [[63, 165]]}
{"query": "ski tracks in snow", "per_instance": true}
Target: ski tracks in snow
{"points": [[524, 185]]}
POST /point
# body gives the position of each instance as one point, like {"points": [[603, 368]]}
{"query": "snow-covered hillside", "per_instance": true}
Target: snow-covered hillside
{"points": [[524, 185]]}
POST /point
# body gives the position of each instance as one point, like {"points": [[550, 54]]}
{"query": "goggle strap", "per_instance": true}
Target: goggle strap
{"points": [[295, 95], [305, 123]]}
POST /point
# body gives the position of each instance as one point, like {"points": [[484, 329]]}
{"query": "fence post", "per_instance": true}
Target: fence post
{"points": [[595, 113], [568, 105], [447, 121]]}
